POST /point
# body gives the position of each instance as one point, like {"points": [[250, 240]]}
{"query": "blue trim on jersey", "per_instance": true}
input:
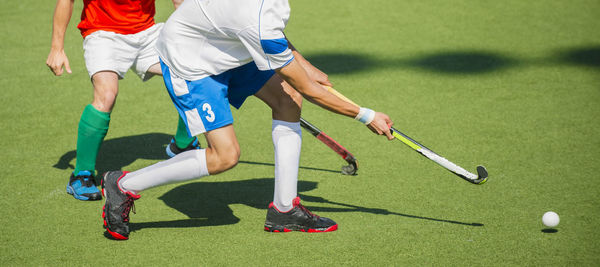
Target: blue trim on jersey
{"points": [[274, 46], [288, 62]]}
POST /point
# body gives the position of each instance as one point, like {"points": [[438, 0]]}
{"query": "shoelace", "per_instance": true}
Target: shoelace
{"points": [[87, 181], [312, 215], [129, 206]]}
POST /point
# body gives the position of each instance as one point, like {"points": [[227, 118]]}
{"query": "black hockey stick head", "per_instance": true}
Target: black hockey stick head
{"points": [[352, 167], [482, 175]]}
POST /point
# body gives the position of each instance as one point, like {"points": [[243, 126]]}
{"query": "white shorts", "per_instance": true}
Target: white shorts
{"points": [[109, 51]]}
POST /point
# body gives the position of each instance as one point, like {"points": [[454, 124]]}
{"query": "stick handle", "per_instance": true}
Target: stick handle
{"points": [[399, 135], [338, 94]]}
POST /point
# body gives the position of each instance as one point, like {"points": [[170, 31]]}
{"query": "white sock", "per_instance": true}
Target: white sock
{"points": [[287, 142], [185, 166]]}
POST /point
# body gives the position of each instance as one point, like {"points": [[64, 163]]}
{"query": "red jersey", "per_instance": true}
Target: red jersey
{"points": [[120, 16]]}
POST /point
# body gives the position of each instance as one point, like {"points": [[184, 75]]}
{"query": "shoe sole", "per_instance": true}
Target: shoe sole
{"points": [[115, 235], [282, 229]]}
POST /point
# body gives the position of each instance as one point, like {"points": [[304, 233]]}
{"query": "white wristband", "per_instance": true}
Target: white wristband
{"points": [[365, 115]]}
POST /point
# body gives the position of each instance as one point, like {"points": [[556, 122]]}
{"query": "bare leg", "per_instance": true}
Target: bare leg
{"points": [[155, 69], [285, 101]]}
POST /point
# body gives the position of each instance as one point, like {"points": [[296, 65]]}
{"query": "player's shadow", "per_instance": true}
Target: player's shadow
{"points": [[588, 56], [119, 152], [343, 63], [467, 62], [451, 62], [462, 62], [207, 203]]}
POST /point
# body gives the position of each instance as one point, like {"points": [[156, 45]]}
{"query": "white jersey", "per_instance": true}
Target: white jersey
{"points": [[208, 37]]}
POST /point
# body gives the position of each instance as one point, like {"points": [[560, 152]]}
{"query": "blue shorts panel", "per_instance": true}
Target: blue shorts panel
{"points": [[245, 81], [204, 104]]}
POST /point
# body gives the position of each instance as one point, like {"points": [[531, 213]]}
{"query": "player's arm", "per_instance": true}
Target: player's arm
{"points": [[176, 3], [294, 74], [57, 58], [312, 71]]}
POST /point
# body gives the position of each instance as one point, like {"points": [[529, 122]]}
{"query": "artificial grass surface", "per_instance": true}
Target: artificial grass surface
{"points": [[511, 85]]}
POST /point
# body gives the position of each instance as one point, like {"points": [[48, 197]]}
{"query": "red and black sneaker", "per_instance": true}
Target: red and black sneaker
{"points": [[297, 219], [115, 212]]}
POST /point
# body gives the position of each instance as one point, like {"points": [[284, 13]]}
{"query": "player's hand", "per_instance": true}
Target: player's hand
{"points": [[56, 60], [381, 125]]}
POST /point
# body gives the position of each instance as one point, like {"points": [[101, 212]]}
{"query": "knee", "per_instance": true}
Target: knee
{"points": [[230, 160], [225, 160], [104, 100], [105, 93]]}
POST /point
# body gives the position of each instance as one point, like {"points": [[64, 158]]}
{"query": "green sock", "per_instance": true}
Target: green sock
{"points": [[182, 139], [93, 127]]}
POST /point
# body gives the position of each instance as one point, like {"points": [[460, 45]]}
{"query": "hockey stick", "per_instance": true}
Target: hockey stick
{"points": [[479, 178], [352, 166]]}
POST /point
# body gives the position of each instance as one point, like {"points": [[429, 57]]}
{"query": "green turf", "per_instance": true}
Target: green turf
{"points": [[512, 85]]}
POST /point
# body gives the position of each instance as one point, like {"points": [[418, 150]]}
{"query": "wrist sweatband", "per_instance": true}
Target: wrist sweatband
{"points": [[365, 115]]}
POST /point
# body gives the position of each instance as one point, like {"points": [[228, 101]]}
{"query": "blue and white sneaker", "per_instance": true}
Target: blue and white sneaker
{"points": [[83, 187], [173, 150]]}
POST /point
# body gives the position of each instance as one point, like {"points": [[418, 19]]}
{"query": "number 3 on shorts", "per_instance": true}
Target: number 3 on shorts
{"points": [[211, 115]]}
